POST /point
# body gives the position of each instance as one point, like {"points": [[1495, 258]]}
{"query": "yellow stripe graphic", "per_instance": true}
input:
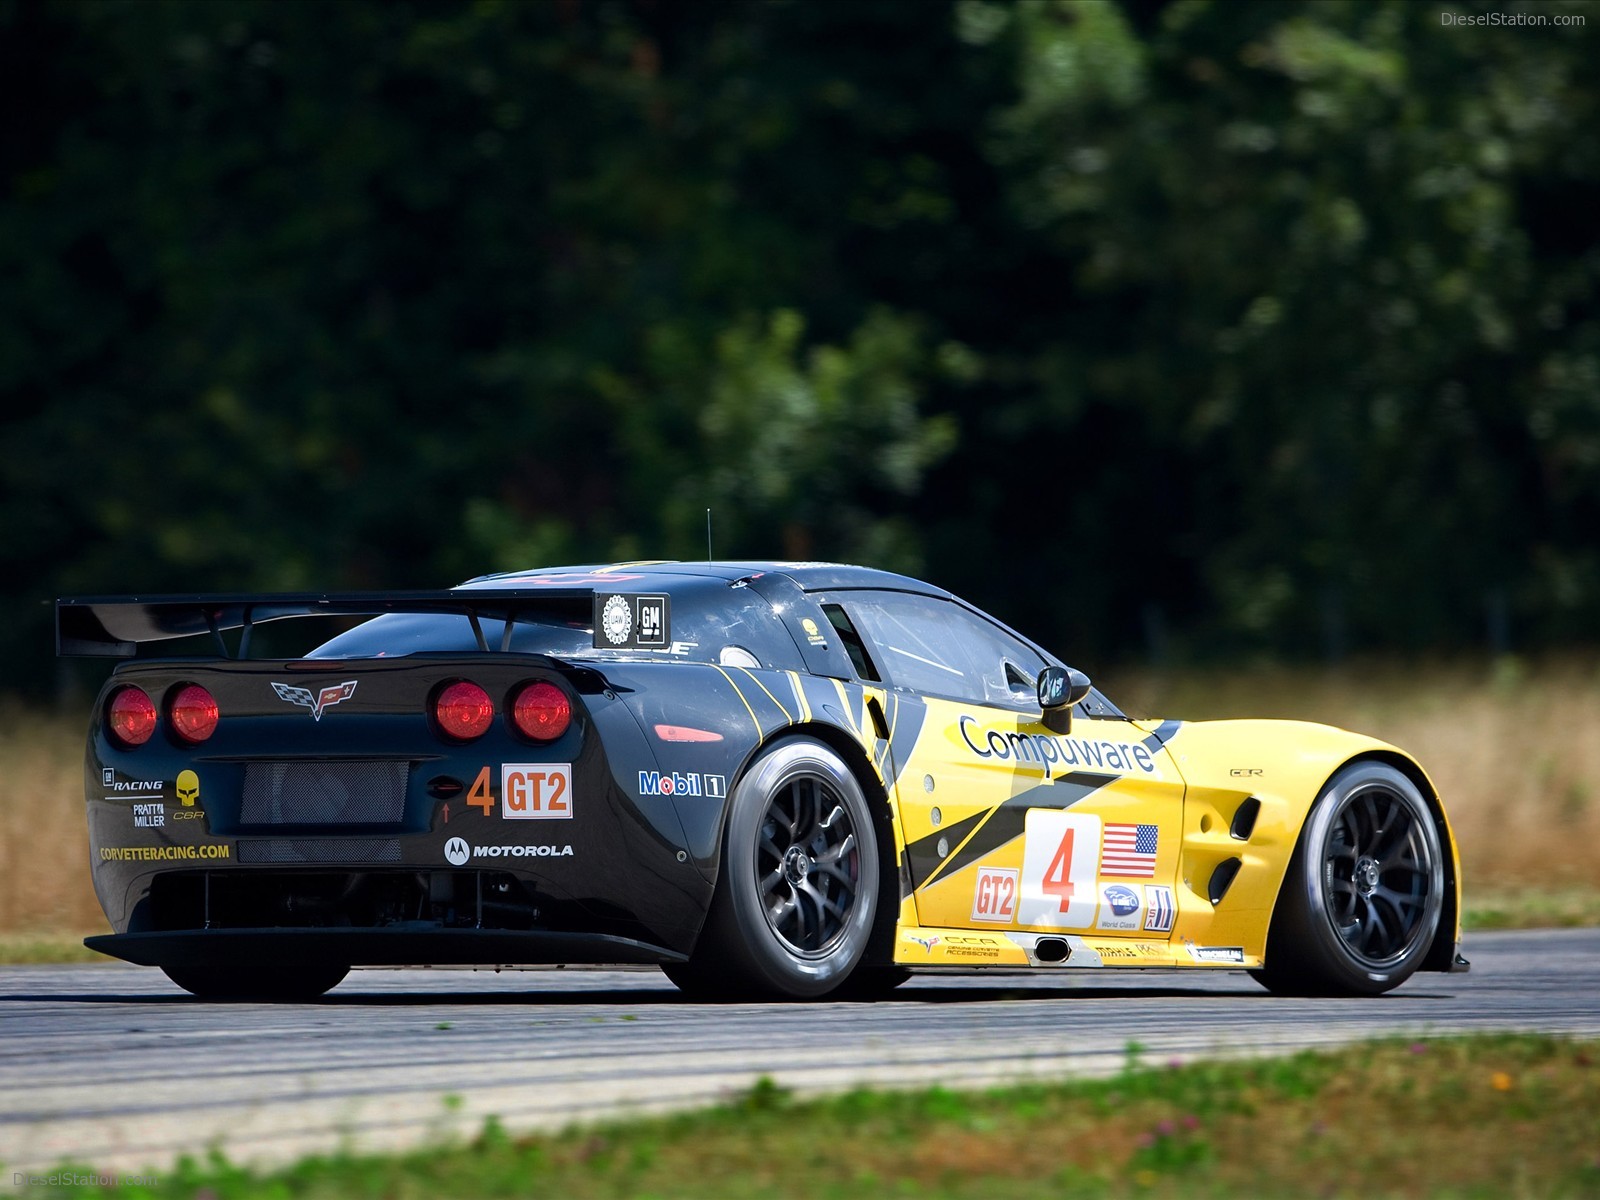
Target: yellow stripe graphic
{"points": [[770, 696], [754, 719]]}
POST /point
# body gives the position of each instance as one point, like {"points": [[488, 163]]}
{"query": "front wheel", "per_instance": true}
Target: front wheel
{"points": [[269, 982], [797, 895], [1361, 901]]}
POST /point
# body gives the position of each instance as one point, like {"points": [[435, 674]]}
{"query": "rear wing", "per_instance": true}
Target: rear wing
{"points": [[115, 626]]}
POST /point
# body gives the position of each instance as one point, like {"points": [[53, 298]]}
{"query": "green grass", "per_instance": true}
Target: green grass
{"points": [[1490, 1116], [46, 946], [1533, 908]]}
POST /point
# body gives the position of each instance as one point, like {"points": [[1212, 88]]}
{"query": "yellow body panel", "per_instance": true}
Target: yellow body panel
{"points": [[986, 796], [982, 799]]}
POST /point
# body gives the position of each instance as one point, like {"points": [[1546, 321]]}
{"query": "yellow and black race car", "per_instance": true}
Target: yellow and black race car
{"points": [[770, 779]]}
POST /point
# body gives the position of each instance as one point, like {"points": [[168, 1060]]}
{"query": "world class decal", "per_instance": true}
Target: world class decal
{"points": [[1048, 751]]}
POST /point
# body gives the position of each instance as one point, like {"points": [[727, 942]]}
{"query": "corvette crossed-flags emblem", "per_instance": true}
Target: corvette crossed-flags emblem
{"points": [[321, 701]]}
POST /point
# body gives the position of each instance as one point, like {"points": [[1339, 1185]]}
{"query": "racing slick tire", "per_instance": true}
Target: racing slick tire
{"points": [[271, 982], [1362, 897], [798, 892]]}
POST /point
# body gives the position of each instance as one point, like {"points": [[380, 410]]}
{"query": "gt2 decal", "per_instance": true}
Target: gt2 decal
{"points": [[1044, 752], [1058, 869], [535, 791], [528, 792], [995, 896]]}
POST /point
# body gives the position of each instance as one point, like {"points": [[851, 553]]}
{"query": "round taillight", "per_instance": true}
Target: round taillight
{"points": [[131, 716], [192, 713], [542, 712], [463, 710]]}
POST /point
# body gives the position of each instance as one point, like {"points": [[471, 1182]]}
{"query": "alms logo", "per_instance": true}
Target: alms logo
{"points": [[689, 783], [1122, 900], [319, 703]]}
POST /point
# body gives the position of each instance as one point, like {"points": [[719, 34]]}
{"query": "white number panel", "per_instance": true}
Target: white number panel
{"points": [[1060, 858]]}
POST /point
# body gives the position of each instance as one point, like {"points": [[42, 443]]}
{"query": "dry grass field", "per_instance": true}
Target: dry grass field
{"points": [[1513, 746]]}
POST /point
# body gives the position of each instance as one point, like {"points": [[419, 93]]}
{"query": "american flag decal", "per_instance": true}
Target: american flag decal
{"points": [[1129, 850]]}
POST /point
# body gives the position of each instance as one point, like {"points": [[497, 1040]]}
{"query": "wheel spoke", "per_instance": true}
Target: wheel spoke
{"points": [[1373, 812], [1372, 932], [1399, 902], [1401, 856], [1381, 934], [781, 911], [797, 809], [834, 854], [809, 905], [824, 906], [835, 871], [1395, 837]]}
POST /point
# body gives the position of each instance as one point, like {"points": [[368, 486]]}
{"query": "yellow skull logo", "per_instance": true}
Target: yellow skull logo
{"points": [[188, 788]]}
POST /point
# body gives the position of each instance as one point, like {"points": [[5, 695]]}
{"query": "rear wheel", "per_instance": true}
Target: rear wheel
{"points": [[797, 896], [1361, 901], [271, 982]]}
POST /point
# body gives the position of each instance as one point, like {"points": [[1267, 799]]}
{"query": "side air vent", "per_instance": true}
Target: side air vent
{"points": [[1222, 879], [1244, 821]]}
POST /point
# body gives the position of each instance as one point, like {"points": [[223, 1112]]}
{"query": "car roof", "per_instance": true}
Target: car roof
{"points": [[810, 576]]}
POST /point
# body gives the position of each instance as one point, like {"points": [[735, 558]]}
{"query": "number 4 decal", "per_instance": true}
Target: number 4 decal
{"points": [[1058, 869], [480, 797]]}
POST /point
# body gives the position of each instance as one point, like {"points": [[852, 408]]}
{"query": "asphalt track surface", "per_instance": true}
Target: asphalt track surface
{"points": [[111, 1067]]}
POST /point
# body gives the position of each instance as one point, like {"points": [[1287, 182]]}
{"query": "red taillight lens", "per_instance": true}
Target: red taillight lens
{"points": [[463, 710], [542, 712], [193, 713], [131, 716]]}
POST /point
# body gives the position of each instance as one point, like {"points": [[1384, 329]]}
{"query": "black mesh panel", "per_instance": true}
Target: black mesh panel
{"points": [[324, 793]]}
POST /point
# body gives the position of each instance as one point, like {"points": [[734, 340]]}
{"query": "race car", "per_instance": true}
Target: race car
{"points": [[778, 780]]}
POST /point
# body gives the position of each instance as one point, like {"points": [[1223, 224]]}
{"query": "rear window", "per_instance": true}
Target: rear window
{"points": [[710, 623]]}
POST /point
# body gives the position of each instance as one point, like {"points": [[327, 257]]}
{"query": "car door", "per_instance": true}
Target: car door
{"points": [[1009, 824]]}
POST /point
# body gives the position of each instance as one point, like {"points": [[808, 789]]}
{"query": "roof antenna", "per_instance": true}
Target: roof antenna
{"points": [[708, 535]]}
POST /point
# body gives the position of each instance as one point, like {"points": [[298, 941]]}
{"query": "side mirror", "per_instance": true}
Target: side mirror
{"points": [[1060, 688]]}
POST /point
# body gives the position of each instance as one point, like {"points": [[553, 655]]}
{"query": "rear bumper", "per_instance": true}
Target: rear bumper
{"points": [[378, 947]]}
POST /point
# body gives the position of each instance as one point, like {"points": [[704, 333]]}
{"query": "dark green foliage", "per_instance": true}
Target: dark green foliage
{"points": [[1247, 326]]}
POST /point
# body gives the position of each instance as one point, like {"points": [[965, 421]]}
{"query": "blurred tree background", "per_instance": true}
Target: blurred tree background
{"points": [[1176, 329]]}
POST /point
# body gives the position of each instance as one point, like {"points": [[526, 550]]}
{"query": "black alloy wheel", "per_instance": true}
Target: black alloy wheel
{"points": [[1362, 898], [797, 900]]}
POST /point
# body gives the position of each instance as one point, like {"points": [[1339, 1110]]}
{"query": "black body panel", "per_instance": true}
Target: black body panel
{"points": [[328, 817]]}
